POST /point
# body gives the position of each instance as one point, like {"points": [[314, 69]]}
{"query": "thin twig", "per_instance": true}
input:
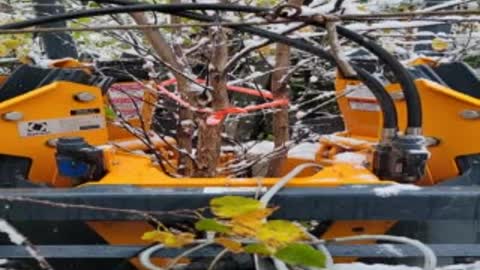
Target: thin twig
{"points": [[19, 239]]}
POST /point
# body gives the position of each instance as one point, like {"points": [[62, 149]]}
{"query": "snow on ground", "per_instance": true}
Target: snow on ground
{"points": [[393, 190], [304, 150], [361, 266], [350, 158]]}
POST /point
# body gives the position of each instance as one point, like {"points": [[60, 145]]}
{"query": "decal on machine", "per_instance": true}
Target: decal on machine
{"points": [[360, 98], [127, 99], [60, 125], [364, 106]]}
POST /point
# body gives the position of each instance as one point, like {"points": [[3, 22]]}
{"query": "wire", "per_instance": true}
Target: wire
{"points": [[265, 199], [385, 101], [430, 257], [147, 254]]}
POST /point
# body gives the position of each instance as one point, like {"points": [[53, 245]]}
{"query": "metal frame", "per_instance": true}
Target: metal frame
{"points": [[339, 203], [120, 252]]}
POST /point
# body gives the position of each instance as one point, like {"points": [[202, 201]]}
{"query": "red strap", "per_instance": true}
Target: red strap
{"points": [[216, 117]]}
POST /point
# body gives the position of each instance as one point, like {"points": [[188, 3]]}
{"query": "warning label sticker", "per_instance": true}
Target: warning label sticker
{"points": [[127, 98], [364, 106], [60, 125], [360, 98], [359, 92]]}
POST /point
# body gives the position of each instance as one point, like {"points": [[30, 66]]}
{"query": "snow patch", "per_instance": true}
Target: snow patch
{"points": [[350, 158], [260, 148], [300, 114], [393, 190], [304, 151], [390, 25], [15, 237]]}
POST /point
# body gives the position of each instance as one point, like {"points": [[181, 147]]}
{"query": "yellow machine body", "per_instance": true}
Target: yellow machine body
{"points": [[53, 105], [443, 117]]}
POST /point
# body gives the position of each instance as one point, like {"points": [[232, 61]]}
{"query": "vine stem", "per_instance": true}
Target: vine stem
{"points": [[217, 259], [265, 199], [19, 239], [145, 256]]}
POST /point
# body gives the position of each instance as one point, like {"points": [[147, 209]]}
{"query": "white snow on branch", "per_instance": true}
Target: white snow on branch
{"points": [[14, 236], [391, 25]]}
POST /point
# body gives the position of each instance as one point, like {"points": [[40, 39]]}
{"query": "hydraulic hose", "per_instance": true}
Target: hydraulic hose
{"points": [[179, 10], [389, 111], [412, 98], [129, 8]]}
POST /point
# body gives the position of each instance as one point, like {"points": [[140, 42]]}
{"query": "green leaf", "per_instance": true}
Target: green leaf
{"points": [[231, 206], [260, 249], [212, 225], [110, 113], [301, 254]]}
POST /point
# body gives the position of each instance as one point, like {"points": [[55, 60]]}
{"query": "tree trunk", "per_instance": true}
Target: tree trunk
{"points": [[209, 137], [280, 90], [185, 127]]}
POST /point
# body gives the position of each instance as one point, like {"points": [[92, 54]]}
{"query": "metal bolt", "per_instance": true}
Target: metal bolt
{"points": [[432, 141], [470, 114], [84, 97], [13, 116]]}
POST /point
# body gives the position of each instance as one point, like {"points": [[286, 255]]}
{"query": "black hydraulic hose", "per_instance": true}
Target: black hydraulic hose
{"points": [[389, 111], [164, 8], [412, 98], [178, 9]]}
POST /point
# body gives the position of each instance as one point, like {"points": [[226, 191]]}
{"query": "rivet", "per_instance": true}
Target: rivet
{"points": [[13, 116], [470, 114], [84, 97]]}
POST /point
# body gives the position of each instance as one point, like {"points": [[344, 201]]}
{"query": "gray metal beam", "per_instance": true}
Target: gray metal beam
{"points": [[363, 251], [341, 203]]}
